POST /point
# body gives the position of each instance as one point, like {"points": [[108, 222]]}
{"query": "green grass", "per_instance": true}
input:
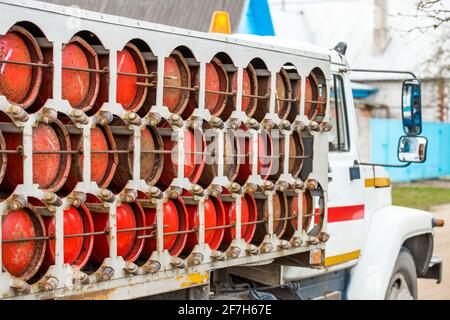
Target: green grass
{"points": [[419, 197]]}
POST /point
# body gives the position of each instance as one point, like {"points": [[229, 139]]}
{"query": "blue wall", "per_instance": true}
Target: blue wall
{"points": [[385, 134]]}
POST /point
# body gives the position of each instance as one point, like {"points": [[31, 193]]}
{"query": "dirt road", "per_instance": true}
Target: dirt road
{"points": [[428, 289]]}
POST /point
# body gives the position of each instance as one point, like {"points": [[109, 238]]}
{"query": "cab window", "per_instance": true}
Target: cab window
{"points": [[339, 136]]}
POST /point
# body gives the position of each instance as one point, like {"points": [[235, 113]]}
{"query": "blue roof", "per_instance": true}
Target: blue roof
{"points": [[361, 94], [361, 90]]}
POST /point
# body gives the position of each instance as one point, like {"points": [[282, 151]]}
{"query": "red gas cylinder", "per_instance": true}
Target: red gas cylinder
{"points": [[310, 110], [216, 80], [321, 97], [103, 165], [22, 259], [194, 158], [20, 84], [49, 169], [296, 152], [129, 243], [315, 98], [79, 87], [77, 250], [174, 220], [151, 163], [176, 75], [214, 217], [265, 154], [231, 163], [230, 159], [284, 91], [3, 158], [264, 163], [280, 212], [307, 204], [249, 87], [248, 214], [129, 94]]}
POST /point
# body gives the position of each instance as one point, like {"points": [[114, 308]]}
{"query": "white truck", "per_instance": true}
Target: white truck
{"points": [[351, 243], [376, 250]]}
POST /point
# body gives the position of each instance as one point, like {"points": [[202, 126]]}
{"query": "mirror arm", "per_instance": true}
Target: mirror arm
{"points": [[383, 165], [384, 71]]}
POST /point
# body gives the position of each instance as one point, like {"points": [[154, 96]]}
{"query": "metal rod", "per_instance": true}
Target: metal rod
{"points": [[153, 235], [11, 151], [286, 218], [194, 230], [237, 155], [86, 234], [147, 236], [104, 70], [187, 231], [199, 153], [31, 64], [315, 101], [111, 151], [206, 229], [76, 235], [232, 93], [288, 99], [266, 97], [142, 75], [20, 151], [384, 165], [157, 151], [153, 85], [181, 88], [77, 151], [226, 226], [384, 71], [57, 151], [253, 222], [299, 157], [25, 239], [138, 228], [225, 93], [320, 213]]}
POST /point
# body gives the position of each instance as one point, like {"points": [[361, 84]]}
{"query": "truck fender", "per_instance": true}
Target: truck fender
{"points": [[389, 228]]}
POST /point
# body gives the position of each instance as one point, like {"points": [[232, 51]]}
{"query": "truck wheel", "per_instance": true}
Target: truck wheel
{"points": [[403, 283]]}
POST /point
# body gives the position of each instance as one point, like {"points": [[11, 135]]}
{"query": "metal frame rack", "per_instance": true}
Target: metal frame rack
{"points": [[116, 278]]}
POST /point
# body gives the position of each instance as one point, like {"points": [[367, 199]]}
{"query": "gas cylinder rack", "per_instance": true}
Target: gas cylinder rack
{"points": [[135, 157]]}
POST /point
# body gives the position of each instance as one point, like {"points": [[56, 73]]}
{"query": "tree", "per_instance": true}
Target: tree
{"points": [[434, 18], [435, 10]]}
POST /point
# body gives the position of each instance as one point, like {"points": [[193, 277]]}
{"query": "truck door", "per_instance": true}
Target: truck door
{"points": [[345, 200]]}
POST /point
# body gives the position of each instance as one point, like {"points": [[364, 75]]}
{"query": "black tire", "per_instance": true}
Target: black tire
{"points": [[404, 271]]}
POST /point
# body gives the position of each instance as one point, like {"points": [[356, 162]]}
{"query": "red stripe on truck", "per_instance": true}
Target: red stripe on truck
{"points": [[346, 213]]}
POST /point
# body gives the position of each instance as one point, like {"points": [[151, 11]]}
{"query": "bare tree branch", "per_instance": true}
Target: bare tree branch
{"points": [[435, 10]]}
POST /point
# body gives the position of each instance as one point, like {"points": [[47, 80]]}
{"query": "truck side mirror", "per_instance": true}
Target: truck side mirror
{"points": [[412, 149], [412, 107]]}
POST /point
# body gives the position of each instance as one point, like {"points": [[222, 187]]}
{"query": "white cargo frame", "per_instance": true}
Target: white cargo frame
{"points": [[56, 22]]}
